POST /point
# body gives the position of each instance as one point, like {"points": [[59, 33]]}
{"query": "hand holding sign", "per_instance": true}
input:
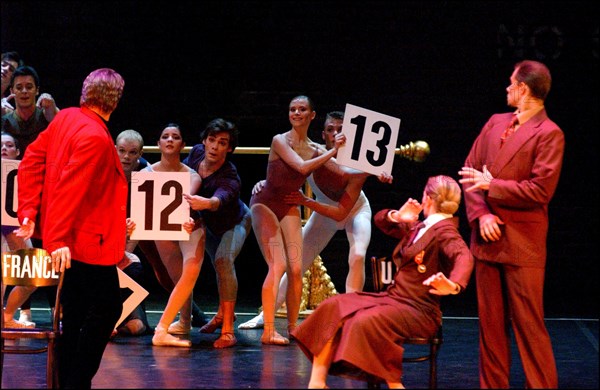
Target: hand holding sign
{"points": [[157, 205], [371, 140]]}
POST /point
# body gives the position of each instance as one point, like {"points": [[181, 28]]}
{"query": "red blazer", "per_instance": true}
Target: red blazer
{"points": [[72, 184], [526, 172]]}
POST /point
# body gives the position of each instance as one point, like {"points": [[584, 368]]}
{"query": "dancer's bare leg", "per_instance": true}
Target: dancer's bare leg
{"points": [[184, 286], [320, 366], [227, 338], [270, 240], [291, 227]]}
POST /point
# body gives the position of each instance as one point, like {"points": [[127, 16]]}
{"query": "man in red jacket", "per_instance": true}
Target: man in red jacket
{"points": [[73, 194], [510, 176]]}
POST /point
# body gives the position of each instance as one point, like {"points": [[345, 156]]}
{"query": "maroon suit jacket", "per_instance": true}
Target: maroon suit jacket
{"points": [[72, 184], [526, 172], [444, 251]]}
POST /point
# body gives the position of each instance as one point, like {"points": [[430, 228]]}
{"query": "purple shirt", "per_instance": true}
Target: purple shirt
{"points": [[225, 184]]}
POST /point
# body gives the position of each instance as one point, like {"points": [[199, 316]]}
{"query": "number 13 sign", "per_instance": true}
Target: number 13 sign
{"points": [[157, 205], [370, 140]]}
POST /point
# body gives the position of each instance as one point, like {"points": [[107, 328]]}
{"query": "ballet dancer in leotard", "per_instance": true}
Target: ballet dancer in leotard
{"points": [[278, 226]]}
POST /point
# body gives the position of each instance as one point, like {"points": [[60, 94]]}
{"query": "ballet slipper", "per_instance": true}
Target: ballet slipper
{"points": [[214, 324], [274, 338], [162, 338], [225, 341], [180, 328]]}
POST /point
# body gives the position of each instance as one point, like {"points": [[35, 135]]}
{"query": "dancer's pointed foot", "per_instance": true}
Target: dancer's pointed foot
{"points": [[214, 324], [225, 341], [162, 338], [274, 338], [180, 327]]}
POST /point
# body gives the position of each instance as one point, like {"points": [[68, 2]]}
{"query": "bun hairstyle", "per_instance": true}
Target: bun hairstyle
{"points": [[445, 193]]}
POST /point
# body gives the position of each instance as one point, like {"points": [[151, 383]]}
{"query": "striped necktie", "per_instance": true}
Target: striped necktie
{"points": [[510, 129]]}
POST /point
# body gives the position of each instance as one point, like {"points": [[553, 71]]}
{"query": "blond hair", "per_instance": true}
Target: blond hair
{"points": [[102, 89], [445, 193], [131, 135]]}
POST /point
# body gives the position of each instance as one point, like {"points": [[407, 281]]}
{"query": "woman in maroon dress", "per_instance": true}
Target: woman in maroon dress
{"points": [[359, 334]]}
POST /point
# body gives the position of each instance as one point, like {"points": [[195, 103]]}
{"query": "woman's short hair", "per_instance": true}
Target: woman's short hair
{"points": [[102, 89]]}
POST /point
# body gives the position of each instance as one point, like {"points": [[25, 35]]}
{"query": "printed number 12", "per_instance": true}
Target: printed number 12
{"points": [[148, 188]]}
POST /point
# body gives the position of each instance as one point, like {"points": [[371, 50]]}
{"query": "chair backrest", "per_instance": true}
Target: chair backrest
{"points": [[383, 270], [32, 267]]}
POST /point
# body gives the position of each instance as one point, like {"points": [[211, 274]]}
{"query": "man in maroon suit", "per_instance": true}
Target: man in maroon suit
{"points": [[510, 176], [73, 194]]}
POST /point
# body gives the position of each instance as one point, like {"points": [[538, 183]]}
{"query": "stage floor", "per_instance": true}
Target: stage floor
{"points": [[132, 362]]}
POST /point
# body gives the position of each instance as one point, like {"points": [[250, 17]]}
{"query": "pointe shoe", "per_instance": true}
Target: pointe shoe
{"points": [[179, 327], [162, 338], [274, 338], [257, 322], [225, 341], [214, 324]]}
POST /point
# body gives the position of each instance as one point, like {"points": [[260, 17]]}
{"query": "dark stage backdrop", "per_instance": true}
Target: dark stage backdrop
{"points": [[441, 67]]}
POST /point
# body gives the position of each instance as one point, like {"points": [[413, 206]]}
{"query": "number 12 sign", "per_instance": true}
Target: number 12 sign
{"points": [[370, 140], [157, 205]]}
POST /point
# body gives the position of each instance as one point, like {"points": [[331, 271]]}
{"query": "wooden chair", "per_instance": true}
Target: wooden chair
{"points": [[32, 267], [383, 275]]}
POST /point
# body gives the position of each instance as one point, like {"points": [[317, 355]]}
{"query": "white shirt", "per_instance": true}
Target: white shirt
{"points": [[429, 222]]}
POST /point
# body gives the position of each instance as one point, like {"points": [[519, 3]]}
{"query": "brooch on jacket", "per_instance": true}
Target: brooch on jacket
{"points": [[419, 260]]}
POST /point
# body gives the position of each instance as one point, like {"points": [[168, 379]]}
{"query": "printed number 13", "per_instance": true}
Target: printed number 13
{"points": [[381, 144], [148, 188]]}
